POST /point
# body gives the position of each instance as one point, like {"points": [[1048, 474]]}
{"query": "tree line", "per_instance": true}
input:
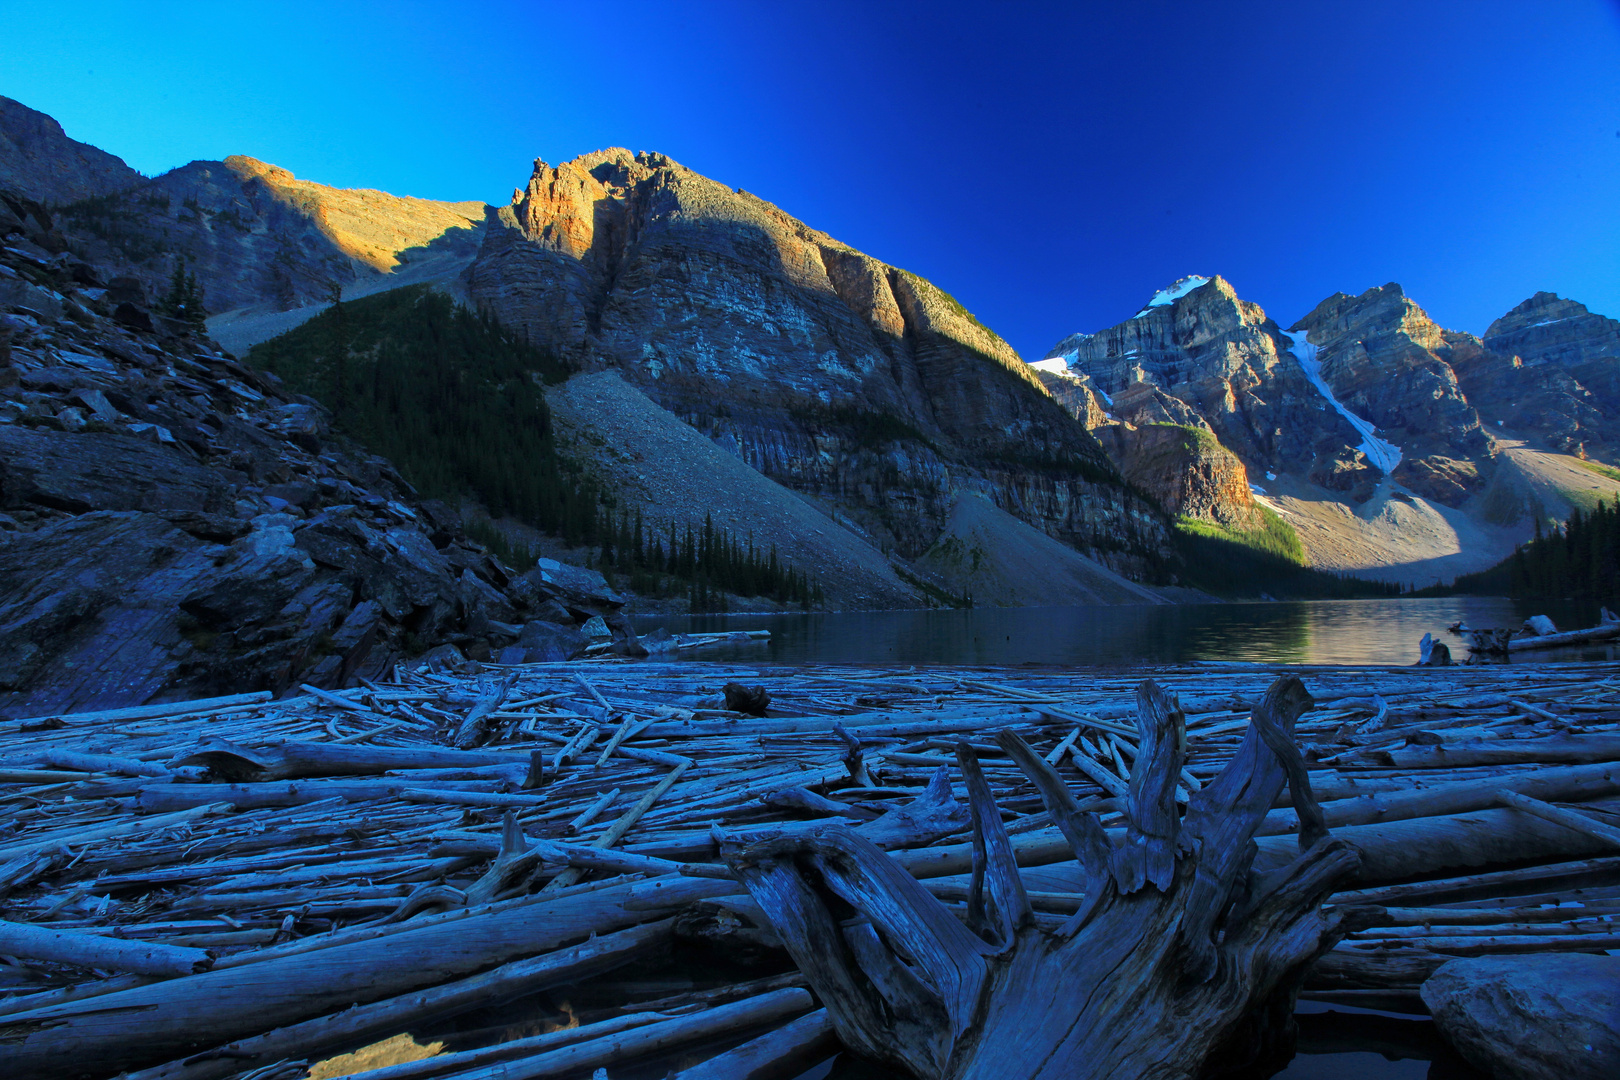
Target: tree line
{"points": [[703, 564], [1580, 560], [458, 404]]}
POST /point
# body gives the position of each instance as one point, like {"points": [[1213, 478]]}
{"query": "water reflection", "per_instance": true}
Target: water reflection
{"points": [[1313, 632]]}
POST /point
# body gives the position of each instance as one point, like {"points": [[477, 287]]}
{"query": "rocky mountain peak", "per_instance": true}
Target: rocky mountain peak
{"points": [[39, 161], [806, 357], [1549, 329], [1384, 312]]}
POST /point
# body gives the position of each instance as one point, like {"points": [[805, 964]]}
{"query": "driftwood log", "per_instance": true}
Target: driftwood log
{"points": [[1175, 951]]}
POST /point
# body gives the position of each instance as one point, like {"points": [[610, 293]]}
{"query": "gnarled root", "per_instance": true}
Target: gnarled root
{"points": [[1176, 943]]}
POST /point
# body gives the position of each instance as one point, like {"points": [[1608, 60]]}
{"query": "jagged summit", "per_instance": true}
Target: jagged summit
{"points": [[1549, 329]]}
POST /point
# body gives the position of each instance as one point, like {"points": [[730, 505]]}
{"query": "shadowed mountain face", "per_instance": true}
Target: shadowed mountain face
{"points": [[826, 369], [255, 235], [39, 161], [1551, 368]]}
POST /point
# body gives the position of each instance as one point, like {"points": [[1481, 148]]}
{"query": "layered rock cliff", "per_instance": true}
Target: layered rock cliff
{"points": [[1388, 362], [1199, 358], [827, 370], [1550, 369]]}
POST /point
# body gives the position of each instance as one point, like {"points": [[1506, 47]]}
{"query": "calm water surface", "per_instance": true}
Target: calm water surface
{"points": [[1306, 632]]}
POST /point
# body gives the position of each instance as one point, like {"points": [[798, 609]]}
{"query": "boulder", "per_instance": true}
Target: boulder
{"points": [[572, 586], [1552, 1016], [102, 471], [544, 642]]}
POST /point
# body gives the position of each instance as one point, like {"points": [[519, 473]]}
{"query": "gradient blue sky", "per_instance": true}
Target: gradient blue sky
{"points": [[1048, 164]]}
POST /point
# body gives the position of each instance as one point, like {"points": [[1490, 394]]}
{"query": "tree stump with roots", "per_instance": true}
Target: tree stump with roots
{"points": [[1178, 950]]}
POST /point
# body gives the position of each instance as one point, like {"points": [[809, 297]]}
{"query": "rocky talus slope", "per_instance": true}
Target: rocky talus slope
{"points": [[828, 371], [173, 523]]}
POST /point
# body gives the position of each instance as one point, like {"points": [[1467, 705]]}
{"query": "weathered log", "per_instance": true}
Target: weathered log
{"points": [[449, 1063], [1570, 819], [230, 762], [1563, 749], [1401, 850], [352, 1026], [152, 1024], [1568, 637], [100, 951], [471, 732], [1566, 784], [782, 1053], [637, 1042], [1565, 875], [910, 985]]}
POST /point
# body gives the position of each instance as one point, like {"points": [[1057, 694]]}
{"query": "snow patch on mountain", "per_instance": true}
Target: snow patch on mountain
{"points": [[1166, 297], [1385, 455]]}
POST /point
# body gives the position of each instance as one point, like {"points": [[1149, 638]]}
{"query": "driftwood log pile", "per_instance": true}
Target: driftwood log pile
{"points": [[1103, 873]]}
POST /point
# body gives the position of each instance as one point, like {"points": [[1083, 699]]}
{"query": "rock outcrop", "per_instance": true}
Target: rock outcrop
{"points": [[1553, 1016], [172, 523], [1186, 469], [38, 161], [827, 370]]}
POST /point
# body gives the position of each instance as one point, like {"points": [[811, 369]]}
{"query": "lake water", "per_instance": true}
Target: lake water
{"points": [[1305, 632]]}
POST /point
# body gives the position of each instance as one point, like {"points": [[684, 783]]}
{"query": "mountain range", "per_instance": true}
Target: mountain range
{"points": [[870, 426]]}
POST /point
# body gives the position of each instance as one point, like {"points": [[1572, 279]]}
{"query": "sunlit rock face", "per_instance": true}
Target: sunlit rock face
{"points": [[1207, 358], [1186, 469], [1550, 369], [255, 235], [1200, 357], [826, 369]]}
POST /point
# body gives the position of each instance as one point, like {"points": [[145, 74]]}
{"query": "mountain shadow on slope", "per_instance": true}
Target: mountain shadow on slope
{"points": [[1580, 561], [451, 397]]}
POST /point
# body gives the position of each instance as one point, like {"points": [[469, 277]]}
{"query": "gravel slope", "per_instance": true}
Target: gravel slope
{"points": [[676, 474], [1004, 562]]}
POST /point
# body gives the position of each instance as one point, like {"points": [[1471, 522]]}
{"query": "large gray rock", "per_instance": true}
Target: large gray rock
{"points": [[102, 471], [1554, 1016]]}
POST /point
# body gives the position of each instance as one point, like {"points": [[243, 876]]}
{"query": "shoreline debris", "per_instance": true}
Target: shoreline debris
{"points": [[337, 870]]}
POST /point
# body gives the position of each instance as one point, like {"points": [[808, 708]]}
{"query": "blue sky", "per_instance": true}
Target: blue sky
{"points": [[1048, 164]]}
